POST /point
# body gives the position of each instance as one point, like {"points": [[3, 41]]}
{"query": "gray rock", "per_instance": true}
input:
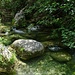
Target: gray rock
{"points": [[6, 58], [5, 52], [19, 15], [26, 49], [54, 48], [18, 31], [32, 28]]}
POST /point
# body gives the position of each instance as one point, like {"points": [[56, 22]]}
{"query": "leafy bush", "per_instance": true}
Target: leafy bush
{"points": [[68, 38], [58, 15]]}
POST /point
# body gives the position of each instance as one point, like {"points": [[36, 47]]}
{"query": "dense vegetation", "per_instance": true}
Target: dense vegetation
{"points": [[55, 15]]}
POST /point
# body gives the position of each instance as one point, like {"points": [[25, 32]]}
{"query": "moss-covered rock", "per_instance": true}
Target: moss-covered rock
{"points": [[61, 56], [6, 58], [26, 49], [44, 65]]}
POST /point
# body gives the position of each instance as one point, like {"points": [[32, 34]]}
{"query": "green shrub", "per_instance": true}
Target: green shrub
{"points": [[58, 15]]}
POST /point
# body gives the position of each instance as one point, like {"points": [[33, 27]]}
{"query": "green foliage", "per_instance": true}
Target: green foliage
{"points": [[68, 38], [13, 58], [5, 4], [13, 5], [53, 14], [5, 41], [57, 15], [22, 49]]}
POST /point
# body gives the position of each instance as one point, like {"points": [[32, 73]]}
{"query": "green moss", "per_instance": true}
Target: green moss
{"points": [[0, 58], [44, 65], [61, 56], [7, 40], [13, 58], [22, 49]]}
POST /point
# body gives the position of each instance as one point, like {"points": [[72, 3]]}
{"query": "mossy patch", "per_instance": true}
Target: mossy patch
{"points": [[44, 65], [61, 56]]}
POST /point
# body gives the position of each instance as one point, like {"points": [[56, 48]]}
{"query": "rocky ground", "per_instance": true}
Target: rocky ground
{"points": [[49, 63]]}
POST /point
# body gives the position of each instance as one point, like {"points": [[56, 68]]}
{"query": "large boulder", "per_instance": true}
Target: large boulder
{"points": [[26, 49]]}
